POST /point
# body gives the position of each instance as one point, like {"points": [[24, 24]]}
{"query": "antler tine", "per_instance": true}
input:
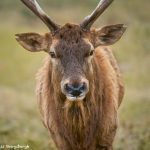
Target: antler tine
{"points": [[89, 20], [37, 10]]}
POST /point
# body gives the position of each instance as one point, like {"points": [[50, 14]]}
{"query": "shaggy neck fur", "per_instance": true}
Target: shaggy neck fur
{"points": [[79, 122]]}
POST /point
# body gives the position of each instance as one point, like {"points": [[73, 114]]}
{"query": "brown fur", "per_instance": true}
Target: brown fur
{"points": [[89, 124]]}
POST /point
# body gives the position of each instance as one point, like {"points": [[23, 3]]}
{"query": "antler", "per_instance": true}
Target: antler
{"points": [[89, 20], [37, 10]]}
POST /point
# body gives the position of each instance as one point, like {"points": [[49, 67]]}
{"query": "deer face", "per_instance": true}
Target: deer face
{"points": [[70, 54], [71, 49]]}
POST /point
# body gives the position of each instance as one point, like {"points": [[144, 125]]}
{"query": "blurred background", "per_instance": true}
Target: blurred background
{"points": [[20, 121]]}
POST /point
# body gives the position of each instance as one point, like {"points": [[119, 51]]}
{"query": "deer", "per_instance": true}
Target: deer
{"points": [[79, 87]]}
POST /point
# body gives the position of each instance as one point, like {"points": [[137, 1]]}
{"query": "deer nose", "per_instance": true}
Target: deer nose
{"points": [[75, 90]]}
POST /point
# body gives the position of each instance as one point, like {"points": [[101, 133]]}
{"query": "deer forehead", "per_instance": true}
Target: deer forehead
{"points": [[61, 46], [70, 32], [71, 36]]}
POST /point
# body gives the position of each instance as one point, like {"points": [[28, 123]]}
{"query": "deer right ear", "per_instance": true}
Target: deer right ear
{"points": [[109, 35], [34, 42]]}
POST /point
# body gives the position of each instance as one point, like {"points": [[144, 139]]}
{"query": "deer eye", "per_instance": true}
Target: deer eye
{"points": [[91, 52], [52, 54]]}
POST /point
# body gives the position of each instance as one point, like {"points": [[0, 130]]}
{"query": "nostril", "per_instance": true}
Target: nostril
{"points": [[68, 88], [83, 87]]}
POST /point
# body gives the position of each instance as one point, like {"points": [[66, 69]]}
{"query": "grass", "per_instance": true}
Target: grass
{"points": [[20, 122], [19, 116]]}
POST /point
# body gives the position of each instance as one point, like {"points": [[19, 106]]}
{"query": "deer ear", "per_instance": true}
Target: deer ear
{"points": [[108, 35], [34, 42]]}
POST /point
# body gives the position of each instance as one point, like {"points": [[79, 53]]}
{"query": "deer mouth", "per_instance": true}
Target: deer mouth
{"points": [[74, 98]]}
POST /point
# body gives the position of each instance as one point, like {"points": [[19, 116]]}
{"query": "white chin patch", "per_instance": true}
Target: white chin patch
{"points": [[80, 98]]}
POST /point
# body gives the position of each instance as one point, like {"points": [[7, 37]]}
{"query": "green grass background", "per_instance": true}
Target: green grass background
{"points": [[20, 121]]}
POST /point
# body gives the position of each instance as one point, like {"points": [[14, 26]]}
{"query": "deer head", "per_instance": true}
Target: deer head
{"points": [[71, 47]]}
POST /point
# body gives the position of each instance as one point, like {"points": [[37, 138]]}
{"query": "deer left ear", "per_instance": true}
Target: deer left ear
{"points": [[34, 42], [108, 35]]}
